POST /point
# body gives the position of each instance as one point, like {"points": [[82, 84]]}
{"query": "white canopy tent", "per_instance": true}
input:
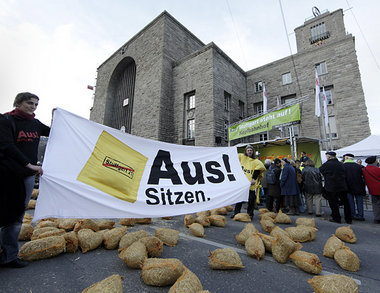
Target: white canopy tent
{"points": [[369, 146]]}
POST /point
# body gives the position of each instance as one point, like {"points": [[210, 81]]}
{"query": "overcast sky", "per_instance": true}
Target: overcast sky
{"points": [[53, 48]]}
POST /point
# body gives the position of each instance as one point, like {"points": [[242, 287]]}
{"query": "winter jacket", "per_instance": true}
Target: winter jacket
{"points": [[372, 179], [312, 180], [274, 190], [354, 178], [288, 181], [334, 174]]}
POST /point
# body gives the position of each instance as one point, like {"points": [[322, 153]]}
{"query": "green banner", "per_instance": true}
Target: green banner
{"points": [[265, 122]]}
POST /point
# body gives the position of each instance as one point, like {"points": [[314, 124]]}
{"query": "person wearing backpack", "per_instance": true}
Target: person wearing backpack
{"points": [[312, 187], [273, 186]]}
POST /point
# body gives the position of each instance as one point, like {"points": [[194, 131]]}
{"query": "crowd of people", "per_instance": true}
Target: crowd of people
{"points": [[298, 186]]}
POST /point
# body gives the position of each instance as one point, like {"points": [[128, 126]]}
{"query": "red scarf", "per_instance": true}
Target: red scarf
{"points": [[17, 112]]}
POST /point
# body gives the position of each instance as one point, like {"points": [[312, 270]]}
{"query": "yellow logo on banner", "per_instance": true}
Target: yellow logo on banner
{"points": [[114, 168]]}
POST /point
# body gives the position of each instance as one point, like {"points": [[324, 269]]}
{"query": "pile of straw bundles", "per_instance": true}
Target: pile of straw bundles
{"points": [[161, 271], [347, 259], [188, 282], [188, 220], [67, 224], [203, 220], [247, 231], [112, 237], [89, 240], [204, 213], [333, 284], [112, 284], [197, 230], [306, 261], [302, 233], [47, 232], [42, 248], [277, 231], [129, 238], [43, 224], [143, 221], [267, 224], [225, 259], [26, 232], [127, 222], [267, 240], [72, 241], [332, 245], [105, 224], [219, 211], [346, 234], [31, 204], [153, 245], [242, 217], [169, 237], [255, 247], [86, 224], [217, 220], [263, 210], [35, 193], [282, 247], [306, 222], [27, 218], [282, 218], [134, 255]]}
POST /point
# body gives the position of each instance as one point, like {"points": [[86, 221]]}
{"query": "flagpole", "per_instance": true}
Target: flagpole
{"points": [[324, 132]]}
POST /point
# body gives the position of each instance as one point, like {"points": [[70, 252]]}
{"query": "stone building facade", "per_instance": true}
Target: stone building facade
{"points": [[165, 84]]}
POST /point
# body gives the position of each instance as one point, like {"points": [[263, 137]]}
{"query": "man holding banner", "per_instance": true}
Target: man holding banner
{"points": [[253, 169]]}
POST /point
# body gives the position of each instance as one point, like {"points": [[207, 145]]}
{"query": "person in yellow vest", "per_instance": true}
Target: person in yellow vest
{"points": [[253, 169]]}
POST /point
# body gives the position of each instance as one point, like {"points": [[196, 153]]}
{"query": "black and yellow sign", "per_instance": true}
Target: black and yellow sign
{"points": [[114, 168]]}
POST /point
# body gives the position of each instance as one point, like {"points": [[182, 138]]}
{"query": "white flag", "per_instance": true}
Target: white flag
{"points": [[265, 100], [317, 92], [94, 171], [326, 112], [278, 102]]}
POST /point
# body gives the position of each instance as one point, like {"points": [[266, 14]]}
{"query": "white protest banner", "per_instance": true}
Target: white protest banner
{"points": [[94, 171]]}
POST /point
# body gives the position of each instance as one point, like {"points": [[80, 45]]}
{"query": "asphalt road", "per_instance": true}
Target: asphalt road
{"points": [[74, 272]]}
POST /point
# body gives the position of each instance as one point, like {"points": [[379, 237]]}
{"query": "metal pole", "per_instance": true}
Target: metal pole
{"points": [[291, 141], [295, 146]]}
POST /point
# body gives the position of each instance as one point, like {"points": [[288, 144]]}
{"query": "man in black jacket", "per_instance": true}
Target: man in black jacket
{"points": [[335, 187], [356, 186]]}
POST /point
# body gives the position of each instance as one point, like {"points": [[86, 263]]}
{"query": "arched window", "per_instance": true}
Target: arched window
{"points": [[121, 95]]}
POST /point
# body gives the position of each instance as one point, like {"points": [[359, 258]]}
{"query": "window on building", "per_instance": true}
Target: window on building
{"points": [[258, 108], [288, 100], [295, 130], [321, 68], [241, 110], [227, 101], [318, 33], [191, 129], [263, 137], [226, 123], [258, 86], [286, 78], [190, 100], [333, 128], [328, 96]]}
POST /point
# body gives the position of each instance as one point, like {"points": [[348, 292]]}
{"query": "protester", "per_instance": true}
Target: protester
{"points": [[289, 188], [358, 161], [312, 187], [19, 141], [335, 187], [297, 166], [273, 203], [304, 157], [371, 175], [263, 183], [253, 169], [355, 185]]}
